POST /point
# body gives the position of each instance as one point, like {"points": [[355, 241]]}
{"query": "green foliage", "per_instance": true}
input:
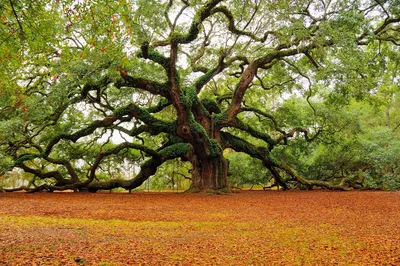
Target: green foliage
{"points": [[172, 175], [361, 147], [245, 170], [6, 164]]}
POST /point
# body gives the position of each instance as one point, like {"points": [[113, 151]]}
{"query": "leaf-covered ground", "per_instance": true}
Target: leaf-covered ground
{"points": [[247, 228]]}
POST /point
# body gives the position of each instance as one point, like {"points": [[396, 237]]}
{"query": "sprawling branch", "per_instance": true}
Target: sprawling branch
{"points": [[132, 110], [148, 168], [310, 183], [264, 62], [106, 122], [295, 130], [379, 31], [159, 106], [148, 52], [255, 133], [231, 25], [17, 18], [261, 153], [204, 79], [203, 13], [43, 175], [68, 165], [269, 116], [115, 150], [284, 136], [143, 84]]}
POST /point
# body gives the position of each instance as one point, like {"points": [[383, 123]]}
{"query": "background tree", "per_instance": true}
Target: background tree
{"points": [[245, 170], [182, 79]]}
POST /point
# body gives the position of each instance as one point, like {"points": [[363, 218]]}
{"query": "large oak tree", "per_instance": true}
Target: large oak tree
{"points": [[176, 79]]}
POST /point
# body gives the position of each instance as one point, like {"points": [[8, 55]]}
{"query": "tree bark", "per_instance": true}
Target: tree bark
{"points": [[209, 175]]}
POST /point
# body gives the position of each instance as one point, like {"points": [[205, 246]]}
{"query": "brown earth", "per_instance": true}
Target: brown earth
{"points": [[247, 228]]}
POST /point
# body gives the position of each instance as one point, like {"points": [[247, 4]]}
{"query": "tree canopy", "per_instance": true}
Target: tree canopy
{"points": [[88, 86]]}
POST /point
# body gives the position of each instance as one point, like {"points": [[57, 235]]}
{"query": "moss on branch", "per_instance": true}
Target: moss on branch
{"points": [[144, 84], [144, 115], [26, 157], [106, 122], [218, 118], [199, 17], [148, 52], [211, 105], [255, 133], [197, 128], [175, 150], [241, 145], [121, 111], [160, 106], [344, 185], [201, 81], [159, 59], [189, 97], [215, 148]]}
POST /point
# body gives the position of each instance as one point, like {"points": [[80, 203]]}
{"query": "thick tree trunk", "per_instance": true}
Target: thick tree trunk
{"points": [[209, 175]]}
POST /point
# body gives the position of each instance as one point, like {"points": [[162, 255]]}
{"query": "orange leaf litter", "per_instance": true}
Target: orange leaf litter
{"points": [[246, 228]]}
